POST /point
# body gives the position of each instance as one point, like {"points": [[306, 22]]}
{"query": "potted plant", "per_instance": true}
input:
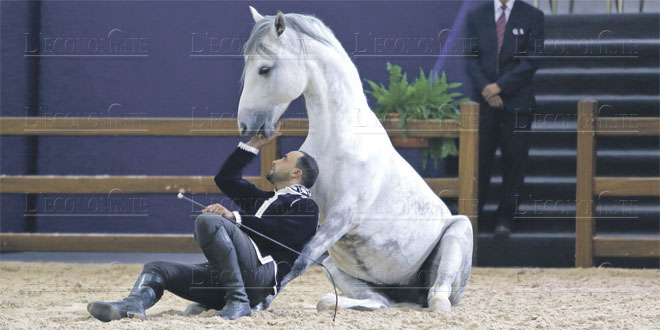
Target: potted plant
{"points": [[427, 98]]}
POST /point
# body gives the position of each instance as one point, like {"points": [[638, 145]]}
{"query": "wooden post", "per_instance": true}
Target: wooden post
{"points": [[586, 169], [468, 167], [268, 153]]}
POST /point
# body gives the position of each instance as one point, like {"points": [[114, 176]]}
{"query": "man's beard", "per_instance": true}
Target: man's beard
{"points": [[274, 177], [277, 177]]}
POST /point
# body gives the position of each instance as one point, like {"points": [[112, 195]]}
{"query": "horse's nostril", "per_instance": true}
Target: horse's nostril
{"points": [[242, 127]]}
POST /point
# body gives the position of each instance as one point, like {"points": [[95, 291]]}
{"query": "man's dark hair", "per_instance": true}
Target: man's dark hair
{"points": [[309, 168]]}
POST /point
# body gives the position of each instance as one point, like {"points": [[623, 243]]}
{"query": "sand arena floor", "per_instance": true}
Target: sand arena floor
{"points": [[54, 295]]}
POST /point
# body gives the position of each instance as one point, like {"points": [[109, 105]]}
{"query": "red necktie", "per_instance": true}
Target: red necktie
{"points": [[501, 24]]}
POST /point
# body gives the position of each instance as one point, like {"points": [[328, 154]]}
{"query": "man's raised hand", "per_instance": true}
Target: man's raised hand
{"points": [[259, 141]]}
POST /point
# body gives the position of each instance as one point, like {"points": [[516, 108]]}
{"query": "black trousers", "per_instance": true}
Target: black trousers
{"points": [[200, 282], [510, 131]]}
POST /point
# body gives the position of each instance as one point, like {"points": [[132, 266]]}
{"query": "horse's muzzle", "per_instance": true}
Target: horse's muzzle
{"points": [[264, 130], [252, 123]]}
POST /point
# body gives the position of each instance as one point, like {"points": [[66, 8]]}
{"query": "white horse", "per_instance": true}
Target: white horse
{"points": [[389, 236]]}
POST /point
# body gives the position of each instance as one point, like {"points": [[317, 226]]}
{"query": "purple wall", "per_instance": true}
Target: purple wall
{"points": [[134, 59]]}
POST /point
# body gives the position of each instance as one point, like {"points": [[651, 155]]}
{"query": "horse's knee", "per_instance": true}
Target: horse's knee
{"points": [[464, 225], [460, 228]]}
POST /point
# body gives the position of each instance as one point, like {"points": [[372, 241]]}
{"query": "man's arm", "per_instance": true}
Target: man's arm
{"points": [[472, 61], [523, 73], [230, 179]]}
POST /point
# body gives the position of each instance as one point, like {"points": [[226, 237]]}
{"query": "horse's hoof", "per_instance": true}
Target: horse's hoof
{"points": [[439, 304], [193, 309], [326, 303]]}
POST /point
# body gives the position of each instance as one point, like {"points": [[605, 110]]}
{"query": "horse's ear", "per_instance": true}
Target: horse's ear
{"points": [[255, 14], [280, 23]]}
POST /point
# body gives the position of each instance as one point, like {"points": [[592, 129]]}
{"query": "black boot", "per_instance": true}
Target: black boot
{"points": [[141, 297], [221, 253]]}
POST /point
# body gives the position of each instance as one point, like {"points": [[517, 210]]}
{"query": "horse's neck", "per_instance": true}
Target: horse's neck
{"points": [[335, 100]]}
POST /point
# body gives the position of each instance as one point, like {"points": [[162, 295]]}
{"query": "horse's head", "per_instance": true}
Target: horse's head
{"points": [[275, 71]]}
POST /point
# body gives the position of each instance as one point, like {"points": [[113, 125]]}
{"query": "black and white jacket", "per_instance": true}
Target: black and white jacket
{"points": [[287, 215]]}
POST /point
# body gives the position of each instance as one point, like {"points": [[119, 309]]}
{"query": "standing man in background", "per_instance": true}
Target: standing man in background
{"points": [[505, 39]]}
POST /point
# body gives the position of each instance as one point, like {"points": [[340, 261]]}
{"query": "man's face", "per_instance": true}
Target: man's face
{"points": [[284, 169]]}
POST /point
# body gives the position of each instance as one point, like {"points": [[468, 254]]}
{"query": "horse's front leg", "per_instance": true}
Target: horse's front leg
{"points": [[361, 295], [451, 265], [337, 223]]}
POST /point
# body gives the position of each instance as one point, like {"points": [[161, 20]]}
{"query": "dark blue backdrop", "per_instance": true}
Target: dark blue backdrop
{"points": [[169, 59]]}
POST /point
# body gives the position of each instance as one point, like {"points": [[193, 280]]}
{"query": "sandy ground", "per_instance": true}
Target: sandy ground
{"points": [[54, 295]]}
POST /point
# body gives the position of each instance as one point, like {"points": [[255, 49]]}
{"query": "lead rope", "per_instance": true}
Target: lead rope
{"points": [[181, 196]]}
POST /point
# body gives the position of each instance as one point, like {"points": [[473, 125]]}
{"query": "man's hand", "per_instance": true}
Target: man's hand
{"points": [[490, 90], [496, 102], [259, 141], [220, 210]]}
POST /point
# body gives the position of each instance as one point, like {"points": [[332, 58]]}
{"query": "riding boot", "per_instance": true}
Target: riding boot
{"points": [[141, 297], [221, 254]]}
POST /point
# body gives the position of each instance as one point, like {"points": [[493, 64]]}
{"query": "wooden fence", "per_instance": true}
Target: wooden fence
{"points": [[587, 244], [464, 187]]}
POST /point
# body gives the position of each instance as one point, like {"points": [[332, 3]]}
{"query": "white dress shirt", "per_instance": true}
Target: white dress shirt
{"points": [[498, 9]]}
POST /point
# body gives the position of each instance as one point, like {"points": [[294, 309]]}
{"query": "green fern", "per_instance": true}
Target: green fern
{"points": [[425, 99]]}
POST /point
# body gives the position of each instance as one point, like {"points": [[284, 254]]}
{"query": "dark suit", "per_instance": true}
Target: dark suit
{"points": [[288, 216], [513, 72]]}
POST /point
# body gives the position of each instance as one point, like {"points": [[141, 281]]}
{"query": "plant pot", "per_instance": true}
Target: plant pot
{"points": [[410, 142]]}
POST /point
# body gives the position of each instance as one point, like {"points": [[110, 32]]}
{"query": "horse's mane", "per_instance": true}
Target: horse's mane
{"points": [[303, 24]]}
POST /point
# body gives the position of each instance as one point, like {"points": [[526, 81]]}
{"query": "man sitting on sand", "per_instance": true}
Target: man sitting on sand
{"points": [[243, 268]]}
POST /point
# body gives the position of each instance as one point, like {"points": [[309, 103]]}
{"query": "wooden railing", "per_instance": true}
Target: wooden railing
{"points": [[587, 244], [464, 187]]}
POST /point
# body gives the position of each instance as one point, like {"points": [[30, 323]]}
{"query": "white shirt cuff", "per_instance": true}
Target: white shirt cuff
{"points": [[237, 217], [248, 148]]}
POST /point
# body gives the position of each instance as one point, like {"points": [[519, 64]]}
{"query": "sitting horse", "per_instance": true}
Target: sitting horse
{"points": [[390, 238]]}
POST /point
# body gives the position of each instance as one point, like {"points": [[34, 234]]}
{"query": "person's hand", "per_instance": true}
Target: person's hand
{"points": [[259, 141], [496, 102], [490, 90], [219, 210]]}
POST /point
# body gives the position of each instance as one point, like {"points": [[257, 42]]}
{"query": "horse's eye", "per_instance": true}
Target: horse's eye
{"points": [[264, 70]]}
